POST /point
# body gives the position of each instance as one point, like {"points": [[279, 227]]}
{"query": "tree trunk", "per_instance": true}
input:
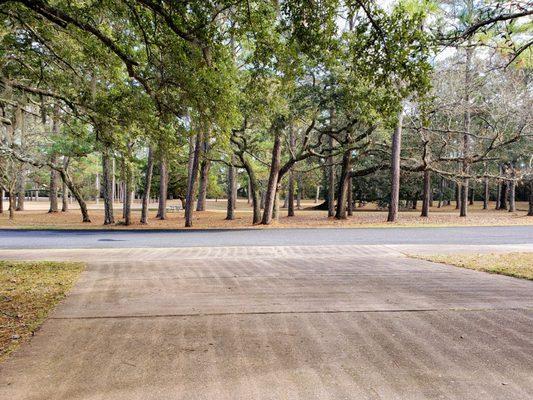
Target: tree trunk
{"points": [[76, 193], [331, 180], [441, 192], [457, 195], [12, 205], [395, 170], [471, 202], [486, 193], [21, 192], [343, 185], [249, 192], [53, 187], [127, 194], [231, 192], [1, 201], [414, 201], [163, 188], [466, 137], [426, 194], [299, 193], [317, 194], [290, 197], [275, 209], [272, 180], [512, 190], [191, 187], [192, 140], [147, 186], [499, 192], [254, 192], [263, 199], [503, 195], [64, 189], [350, 196], [108, 190], [202, 187], [530, 209]]}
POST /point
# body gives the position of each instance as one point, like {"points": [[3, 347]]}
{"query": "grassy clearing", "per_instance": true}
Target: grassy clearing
{"points": [[518, 265], [28, 291]]}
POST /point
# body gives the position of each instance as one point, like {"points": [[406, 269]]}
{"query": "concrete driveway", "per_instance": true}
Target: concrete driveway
{"points": [[297, 322]]}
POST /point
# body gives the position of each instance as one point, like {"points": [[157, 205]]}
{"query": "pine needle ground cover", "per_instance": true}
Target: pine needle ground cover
{"points": [[28, 292], [518, 265]]}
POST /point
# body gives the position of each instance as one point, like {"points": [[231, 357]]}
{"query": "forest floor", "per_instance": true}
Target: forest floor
{"points": [[518, 265], [36, 216], [28, 292]]}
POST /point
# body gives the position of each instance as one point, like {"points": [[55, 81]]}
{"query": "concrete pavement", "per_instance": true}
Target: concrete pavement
{"points": [[293, 322]]}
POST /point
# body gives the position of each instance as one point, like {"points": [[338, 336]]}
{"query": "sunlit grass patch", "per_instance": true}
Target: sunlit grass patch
{"points": [[28, 292], [519, 265]]}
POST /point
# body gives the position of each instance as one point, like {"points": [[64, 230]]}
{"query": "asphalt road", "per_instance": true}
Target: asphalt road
{"points": [[69, 239]]}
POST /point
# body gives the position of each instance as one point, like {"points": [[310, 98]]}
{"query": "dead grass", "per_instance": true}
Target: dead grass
{"points": [[38, 218], [28, 292], [519, 265]]}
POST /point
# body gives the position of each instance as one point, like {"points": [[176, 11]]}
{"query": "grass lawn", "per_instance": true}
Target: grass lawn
{"points": [[28, 292], [519, 265]]}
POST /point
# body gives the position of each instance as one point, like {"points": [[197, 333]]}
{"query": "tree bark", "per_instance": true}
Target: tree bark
{"points": [[530, 209], [1, 201], [163, 188], [202, 188], [503, 195], [76, 193], [426, 194], [395, 170], [466, 137], [343, 185], [231, 191], [12, 205], [299, 193], [441, 192], [272, 180], [331, 180], [21, 192], [53, 187], [512, 190], [127, 194], [108, 190], [147, 186], [486, 193], [350, 196], [64, 189], [290, 196], [191, 187]]}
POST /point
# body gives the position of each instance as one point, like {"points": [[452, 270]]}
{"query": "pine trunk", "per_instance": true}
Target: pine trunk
{"points": [[272, 187], [426, 194], [163, 188], [147, 186], [395, 170], [202, 187], [231, 192], [107, 188], [530, 209], [193, 179], [486, 193]]}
